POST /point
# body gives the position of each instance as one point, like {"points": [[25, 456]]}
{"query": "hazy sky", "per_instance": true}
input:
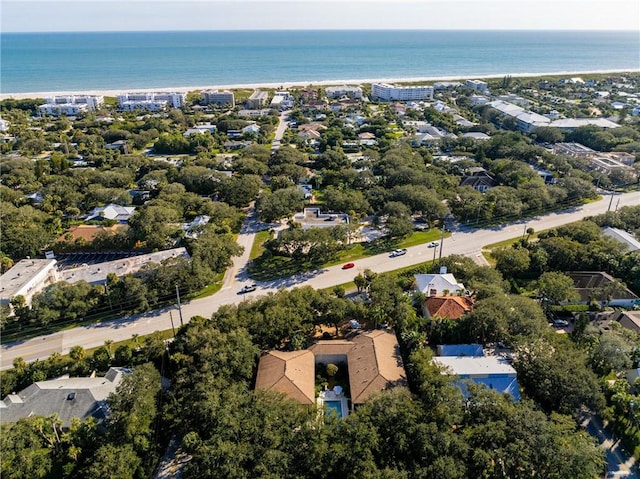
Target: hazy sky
{"points": [[133, 15]]}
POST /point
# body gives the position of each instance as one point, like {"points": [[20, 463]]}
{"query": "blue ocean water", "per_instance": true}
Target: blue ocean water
{"points": [[34, 62]]}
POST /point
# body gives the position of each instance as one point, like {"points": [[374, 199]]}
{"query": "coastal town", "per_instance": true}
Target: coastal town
{"points": [[385, 279]]}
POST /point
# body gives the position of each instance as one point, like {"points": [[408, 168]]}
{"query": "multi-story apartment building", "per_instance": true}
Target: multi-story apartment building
{"points": [[386, 92], [354, 92], [477, 85], [217, 97], [257, 100], [70, 104], [150, 101]]}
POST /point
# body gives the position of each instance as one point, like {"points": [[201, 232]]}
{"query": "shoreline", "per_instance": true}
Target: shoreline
{"points": [[302, 83]]}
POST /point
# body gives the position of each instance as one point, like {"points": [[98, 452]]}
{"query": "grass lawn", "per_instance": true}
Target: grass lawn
{"points": [[209, 289], [257, 247], [274, 267]]}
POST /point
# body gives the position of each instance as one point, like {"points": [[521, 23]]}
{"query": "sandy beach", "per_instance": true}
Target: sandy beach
{"points": [[285, 85]]}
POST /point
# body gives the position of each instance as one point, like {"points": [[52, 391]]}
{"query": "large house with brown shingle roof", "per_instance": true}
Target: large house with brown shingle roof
{"points": [[288, 372], [447, 307], [373, 361]]}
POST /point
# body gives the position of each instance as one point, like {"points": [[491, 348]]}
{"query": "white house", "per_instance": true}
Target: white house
{"points": [[121, 214], [494, 372], [439, 284]]}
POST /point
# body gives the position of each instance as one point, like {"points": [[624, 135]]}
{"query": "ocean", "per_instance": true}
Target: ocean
{"points": [[39, 62]]}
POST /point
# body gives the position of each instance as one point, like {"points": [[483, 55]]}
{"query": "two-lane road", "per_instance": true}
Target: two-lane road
{"points": [[463, 241]]}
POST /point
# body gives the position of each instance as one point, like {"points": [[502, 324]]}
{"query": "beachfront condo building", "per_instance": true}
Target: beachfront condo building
{"points": [[258, 99], [70, 105], [386, 92], [217, 97], [477, 85], [350, 91], [150, 101]]}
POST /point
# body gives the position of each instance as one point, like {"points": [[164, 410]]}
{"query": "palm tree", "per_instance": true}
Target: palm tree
{"points": [[108, 344], [77, 353]]}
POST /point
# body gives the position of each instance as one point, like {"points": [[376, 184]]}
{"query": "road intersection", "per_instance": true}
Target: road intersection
{"points": [[463, 240]]}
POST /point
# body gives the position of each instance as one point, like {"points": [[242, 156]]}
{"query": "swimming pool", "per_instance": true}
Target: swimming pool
{"points": [[334, 406]]}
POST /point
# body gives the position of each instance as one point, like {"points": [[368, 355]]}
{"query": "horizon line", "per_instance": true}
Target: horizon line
{"points": [[239, 30]]}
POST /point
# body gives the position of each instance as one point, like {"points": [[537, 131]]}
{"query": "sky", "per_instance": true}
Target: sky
{"points": [[162, 15]]}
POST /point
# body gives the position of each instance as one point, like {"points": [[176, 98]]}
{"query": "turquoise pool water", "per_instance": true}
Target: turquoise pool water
{"points": [[334, 406]]}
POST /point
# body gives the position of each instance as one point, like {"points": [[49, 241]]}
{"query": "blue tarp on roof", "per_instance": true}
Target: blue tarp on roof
{"points": [[470, 350]]}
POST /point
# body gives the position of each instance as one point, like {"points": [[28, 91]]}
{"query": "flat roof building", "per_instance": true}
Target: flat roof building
{"points": [[386, 92], [70, 105], [493, 372], [350, 91], [257, 100], [150, 101], [217, 97], [26, 278]]}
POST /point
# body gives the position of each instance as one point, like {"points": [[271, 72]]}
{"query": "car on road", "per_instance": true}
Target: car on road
{"points": [[248, 288], [561, 323], [433, 244], [398, 252], [348, 266]]}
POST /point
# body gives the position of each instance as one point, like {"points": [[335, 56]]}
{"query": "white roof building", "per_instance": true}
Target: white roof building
{"points": [[438, 284], [386, 92], [150, 101], [627, 239], [70, 104], [344, 90], [26, 278], [573, 123], [97, 273], [112, 211], [494, 372]]}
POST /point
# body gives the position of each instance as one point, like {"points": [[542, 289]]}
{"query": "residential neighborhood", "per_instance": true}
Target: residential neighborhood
{"points": [[304, 264]]}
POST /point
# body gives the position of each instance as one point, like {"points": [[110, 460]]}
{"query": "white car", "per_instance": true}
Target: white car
{"points": [[248, 288], [398, 252], [433, 244]]}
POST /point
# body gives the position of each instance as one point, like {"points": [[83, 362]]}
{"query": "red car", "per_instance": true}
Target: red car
{"points": [[348, 266]]}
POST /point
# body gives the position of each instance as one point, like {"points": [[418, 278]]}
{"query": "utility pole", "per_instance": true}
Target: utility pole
{"points": [[172, 327], [179, 307], [611, 200], [441, 242]]}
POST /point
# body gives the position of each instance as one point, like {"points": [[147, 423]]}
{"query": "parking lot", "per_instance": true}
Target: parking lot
{"points": [[76, 260]]}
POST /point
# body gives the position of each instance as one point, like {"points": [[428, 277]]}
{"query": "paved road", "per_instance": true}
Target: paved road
{"points": [[617, 459], [463, 241]]}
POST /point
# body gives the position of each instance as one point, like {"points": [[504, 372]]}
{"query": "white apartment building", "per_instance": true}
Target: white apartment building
{"points": [[386, 92], [150, 101], [477, 85], [217, 97], [70, 105], [354, 92]]}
